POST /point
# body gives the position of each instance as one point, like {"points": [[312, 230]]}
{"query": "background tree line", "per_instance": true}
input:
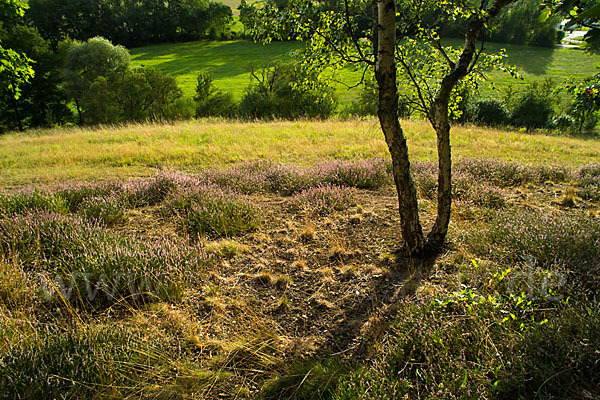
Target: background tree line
{"points": [[129, 23]]}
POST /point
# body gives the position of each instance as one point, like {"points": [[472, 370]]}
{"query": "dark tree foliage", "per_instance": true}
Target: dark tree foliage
{"points": [[129, 22], [42, 100]]}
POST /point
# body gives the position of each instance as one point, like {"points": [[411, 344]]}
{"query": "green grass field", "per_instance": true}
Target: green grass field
{"points": [[230, 61]]}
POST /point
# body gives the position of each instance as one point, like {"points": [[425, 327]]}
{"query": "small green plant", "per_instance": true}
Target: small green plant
{"points": [[211, 102]]}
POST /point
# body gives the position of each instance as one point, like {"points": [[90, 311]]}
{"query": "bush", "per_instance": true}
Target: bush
{"points": [[532, 111], [490, 112], [211, 102], [368, 103], [287, 91], [180, 109], [586, 102]]}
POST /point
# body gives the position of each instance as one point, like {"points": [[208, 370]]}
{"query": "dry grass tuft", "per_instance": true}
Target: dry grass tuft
{"points": [[308, 233], [226, 248]]}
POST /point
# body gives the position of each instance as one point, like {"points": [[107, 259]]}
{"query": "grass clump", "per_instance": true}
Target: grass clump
{"points": [[213, 211], [226, 248], [323, 200], [306, 380], [26, 200]]}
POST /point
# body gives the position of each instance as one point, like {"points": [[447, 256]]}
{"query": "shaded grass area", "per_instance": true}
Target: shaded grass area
{"points": [[229, 62], [40, 157]]}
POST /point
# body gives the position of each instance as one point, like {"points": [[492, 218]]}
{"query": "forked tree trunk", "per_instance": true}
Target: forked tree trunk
{"points": [[385, 73], [437, 236], [384, 41]]}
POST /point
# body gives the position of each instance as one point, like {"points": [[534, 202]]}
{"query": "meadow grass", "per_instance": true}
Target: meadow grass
{"points": [[229, 62], [104, 153]]}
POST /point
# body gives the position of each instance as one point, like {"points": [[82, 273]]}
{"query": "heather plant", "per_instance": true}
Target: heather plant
{"points": [[152, 191], [559, 241], [472, 344], [499, 173], [213, 211], [440, 348], [288, 179], [80, 254], [485, 195], [107, 209], [324, 199], [588, 178], [28, 200], [368, 174], [75, 194], [98, 361]]}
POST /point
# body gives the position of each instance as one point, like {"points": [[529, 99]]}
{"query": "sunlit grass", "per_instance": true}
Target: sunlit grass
{"points": [[138, 150]]}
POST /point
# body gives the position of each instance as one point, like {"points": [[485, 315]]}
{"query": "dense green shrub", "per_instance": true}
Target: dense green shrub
{"points": [[490, 112], [211, 102], [106, 89], [42, 101], [519, 23], [531, 111], [287, 91], [586, 102], [368, 103]]}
